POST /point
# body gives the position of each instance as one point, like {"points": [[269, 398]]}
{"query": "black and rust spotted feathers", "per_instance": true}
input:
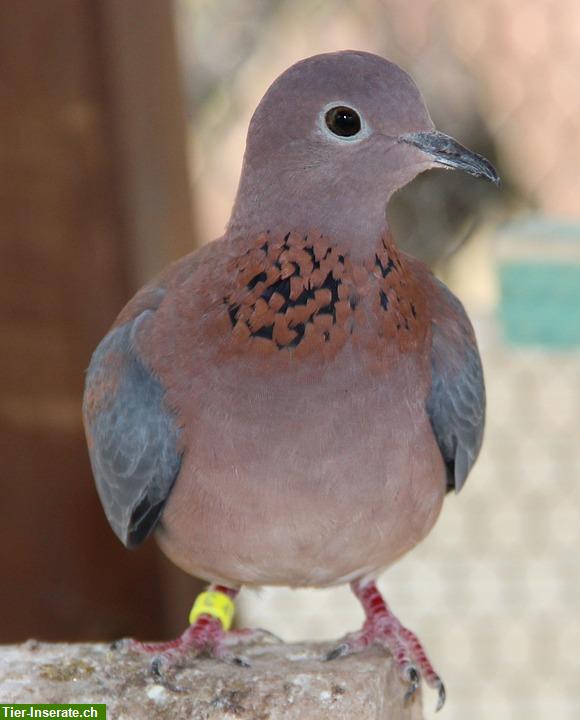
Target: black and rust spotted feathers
{"points": [[301, 293]]}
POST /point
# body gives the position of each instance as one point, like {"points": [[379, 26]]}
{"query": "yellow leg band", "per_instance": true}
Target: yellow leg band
{"points": [[214, 603]]}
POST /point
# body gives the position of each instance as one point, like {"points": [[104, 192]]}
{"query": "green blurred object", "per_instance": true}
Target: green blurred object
{"points": [[539, 279]]}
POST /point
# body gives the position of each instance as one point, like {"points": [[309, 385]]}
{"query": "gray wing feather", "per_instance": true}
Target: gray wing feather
{"points": [[133, 438], [456, 404]]}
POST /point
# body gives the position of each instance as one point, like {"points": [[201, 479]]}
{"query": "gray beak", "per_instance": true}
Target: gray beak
{"points": [[448, 152]]}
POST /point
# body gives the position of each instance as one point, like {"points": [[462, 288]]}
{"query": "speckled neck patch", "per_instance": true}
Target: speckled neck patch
{"points": [[300, 293]]}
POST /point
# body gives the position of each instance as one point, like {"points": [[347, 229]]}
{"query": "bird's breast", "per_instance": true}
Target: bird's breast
{"points": [[300, 296]]}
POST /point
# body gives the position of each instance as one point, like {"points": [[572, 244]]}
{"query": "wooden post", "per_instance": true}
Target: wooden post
{"points": [[94, 199]]}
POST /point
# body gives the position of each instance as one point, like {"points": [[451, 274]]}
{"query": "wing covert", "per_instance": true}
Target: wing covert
{"points": [[456, 404], [132, 437]]}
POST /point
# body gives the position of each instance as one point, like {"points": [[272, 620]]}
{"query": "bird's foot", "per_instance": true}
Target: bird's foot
{"points": [[384, 629], [206, 636]]}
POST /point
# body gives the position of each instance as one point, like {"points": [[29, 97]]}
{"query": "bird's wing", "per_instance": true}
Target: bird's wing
{"points": [[132, 436], [456, 403]]}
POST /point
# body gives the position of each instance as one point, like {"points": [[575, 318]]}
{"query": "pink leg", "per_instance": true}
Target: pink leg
{"points": [[206, 636], [381, 627]]}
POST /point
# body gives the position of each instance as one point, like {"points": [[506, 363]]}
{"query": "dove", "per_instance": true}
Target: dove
{"points": [[291, 403]]}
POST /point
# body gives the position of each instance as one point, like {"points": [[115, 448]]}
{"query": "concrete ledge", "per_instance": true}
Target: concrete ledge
{"points": [[285, 682]]}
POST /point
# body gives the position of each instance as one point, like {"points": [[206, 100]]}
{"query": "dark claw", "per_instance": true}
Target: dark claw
{"points": [[442, 697], [339, 651], [414, 682], [241, 661], [156, 664]]}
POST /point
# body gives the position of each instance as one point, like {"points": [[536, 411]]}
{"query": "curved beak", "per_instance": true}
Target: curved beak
{"points": [[446, 151]]}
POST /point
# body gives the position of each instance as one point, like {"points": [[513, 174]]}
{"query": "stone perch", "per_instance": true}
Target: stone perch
{"points": [[285, 682]]}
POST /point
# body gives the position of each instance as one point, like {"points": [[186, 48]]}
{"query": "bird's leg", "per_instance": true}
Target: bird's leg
{"points": [[381, 627], [208, 633]]}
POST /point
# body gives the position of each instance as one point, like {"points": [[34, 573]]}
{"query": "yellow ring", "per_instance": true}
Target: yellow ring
{"points": [[214, 603]]}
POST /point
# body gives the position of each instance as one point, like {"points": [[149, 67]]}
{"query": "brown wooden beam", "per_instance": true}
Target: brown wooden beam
{"points": [[94, 198]]}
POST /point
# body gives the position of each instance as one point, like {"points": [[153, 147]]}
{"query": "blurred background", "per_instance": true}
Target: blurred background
{"points": [[121, 137]]}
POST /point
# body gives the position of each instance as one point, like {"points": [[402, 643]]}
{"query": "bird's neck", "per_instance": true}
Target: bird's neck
{"points": [[352, 218]]}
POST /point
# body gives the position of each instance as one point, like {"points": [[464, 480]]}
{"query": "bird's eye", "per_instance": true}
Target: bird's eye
{"points": [[343, 121]]}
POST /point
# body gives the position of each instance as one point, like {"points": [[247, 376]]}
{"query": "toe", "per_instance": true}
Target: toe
{"points": [[164, 661], [226, 656], [265, 636], [250, 635]]}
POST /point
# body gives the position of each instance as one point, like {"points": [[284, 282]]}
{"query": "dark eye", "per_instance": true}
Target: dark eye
{"points": [[343, 121]]}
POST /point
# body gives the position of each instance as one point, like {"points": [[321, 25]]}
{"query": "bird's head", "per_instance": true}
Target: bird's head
{"points": [[332, 139]]}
